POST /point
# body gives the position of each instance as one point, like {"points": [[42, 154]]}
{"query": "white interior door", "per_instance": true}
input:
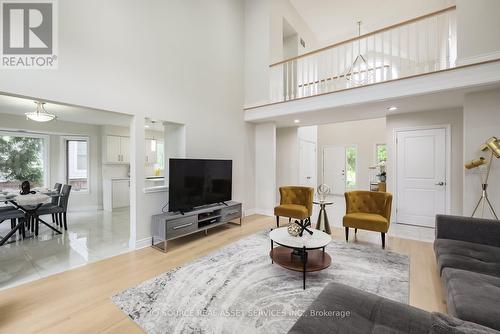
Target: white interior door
{"points": [[334, 162], [307, 165], [421, 176]]}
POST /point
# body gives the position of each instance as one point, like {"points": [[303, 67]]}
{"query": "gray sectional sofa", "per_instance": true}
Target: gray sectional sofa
{"points": [[468, 257], [341, 309]]}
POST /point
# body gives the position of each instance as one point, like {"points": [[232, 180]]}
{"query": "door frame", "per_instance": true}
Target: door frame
{"points": [[394, 164], [345, 166]]}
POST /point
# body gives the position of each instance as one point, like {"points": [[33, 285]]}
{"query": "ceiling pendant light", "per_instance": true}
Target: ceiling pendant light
{"points": [[40, 114], [359, 72]]}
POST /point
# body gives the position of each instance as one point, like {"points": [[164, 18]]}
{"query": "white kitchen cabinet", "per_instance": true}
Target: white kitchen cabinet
{"points": [[151, 147], [116, 194], [121, 193], [125, 149], [117, 149]]}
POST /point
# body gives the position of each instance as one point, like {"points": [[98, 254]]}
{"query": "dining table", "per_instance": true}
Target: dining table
{"points": [[29, 204]]}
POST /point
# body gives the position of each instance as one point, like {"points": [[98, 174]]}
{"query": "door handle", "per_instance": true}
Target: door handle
{"points": [[440, 183]]}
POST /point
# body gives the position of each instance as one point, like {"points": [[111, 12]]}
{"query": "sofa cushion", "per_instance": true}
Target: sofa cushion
{"points": [[353, 311], [366, 221], [470, 256], [473, 296], [444, 324]]}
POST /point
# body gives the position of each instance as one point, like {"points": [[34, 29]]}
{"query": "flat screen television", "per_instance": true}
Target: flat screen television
{"points": [[198, 182]]}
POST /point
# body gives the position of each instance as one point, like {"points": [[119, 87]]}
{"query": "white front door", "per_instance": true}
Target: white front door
{"points": [[421, 176], [334, 164], [307, 163]]}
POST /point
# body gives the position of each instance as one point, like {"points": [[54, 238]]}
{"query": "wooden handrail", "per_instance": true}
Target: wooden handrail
{"points": [[367, 35]]}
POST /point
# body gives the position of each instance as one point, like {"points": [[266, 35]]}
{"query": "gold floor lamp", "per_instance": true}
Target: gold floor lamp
{"points": [[492, 145]]}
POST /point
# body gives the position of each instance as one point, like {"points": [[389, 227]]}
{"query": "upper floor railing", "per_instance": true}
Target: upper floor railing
{"points": [[422, 45]]}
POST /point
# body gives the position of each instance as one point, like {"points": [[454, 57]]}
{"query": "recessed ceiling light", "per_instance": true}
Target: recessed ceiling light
{"points": [[296, 121], [392, 108]]}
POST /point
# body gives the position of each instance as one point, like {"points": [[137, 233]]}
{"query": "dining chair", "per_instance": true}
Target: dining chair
{"points": [[55, 201], [63, 204], [16, 218], [59, 210]]}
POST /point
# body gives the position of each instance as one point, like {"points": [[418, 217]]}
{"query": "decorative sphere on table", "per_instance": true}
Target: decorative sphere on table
{"points": [[323, 190], [294, 229]]}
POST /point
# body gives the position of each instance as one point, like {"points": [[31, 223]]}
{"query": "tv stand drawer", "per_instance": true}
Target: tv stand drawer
{"points": [[181, 226], [232, 212]]}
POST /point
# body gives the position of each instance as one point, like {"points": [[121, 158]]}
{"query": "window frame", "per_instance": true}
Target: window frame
{"points": [[46, 149], [65, 140], [356, 171]]}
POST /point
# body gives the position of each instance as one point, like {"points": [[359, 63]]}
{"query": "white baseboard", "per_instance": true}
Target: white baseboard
{"points": [[263, 212], [139, 244], [249, 212], [479, 58]]}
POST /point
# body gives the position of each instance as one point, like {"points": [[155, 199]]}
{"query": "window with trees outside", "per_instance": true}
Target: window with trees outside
{"points": [[381, 153], [77, 164], [23, 157], [351, 156]]}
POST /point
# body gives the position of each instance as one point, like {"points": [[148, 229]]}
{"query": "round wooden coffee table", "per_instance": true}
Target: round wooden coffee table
{"points": [[303, 254]]}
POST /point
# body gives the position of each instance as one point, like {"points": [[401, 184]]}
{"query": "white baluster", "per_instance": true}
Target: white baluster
{"points": [[400, 51], [447, 41]]}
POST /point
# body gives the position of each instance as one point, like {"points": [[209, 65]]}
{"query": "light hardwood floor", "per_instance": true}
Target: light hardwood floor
{"points": [[78, 301]]}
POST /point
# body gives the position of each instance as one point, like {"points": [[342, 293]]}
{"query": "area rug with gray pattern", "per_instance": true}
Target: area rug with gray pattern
{"points": [[238, 290]]}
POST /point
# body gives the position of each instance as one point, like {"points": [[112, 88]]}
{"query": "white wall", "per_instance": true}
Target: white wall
{"points": [[257, 51], [287, 157], [477, 29], [263, 41], [481, 121], [453, 117], [265, 168], [282, 9], [57, 164], [364, 134], [177, 60]]}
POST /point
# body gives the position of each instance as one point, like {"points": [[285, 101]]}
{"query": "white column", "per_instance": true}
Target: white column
{"points": [[265, 168], [137, 178]]}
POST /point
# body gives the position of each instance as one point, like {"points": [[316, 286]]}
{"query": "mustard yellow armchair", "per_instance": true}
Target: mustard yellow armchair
{"points": [[295, 203], [367, 210]]}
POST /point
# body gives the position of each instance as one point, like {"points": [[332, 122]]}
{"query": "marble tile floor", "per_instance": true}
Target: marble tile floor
{"points": [[91, 236]]}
